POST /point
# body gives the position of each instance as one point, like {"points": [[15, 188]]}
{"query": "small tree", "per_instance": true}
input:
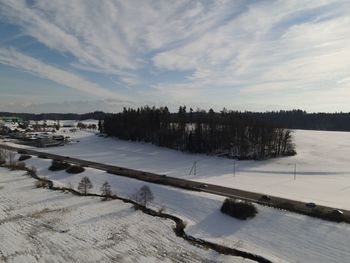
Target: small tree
{"points": [[12, 156], [57, 126], [84, 185], [100, 126], [144, 195], [3, 156], [106, 191]]}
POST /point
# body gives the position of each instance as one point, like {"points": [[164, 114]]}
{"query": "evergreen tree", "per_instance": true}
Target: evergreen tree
{"points": [[243, 135]]}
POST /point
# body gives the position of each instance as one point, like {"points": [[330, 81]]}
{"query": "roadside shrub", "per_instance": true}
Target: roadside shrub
{"points": [[43, 156], [161, 210], [31, 171], [57, 165], [18, 166], [238, 209], [24, 157], [42, 184], [22, 152], [75, 169]]}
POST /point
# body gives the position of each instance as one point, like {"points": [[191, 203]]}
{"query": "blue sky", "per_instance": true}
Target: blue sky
{"points": [[85, 55]]}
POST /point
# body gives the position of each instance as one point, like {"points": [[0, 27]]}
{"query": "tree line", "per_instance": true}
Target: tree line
{"points": [[97, 115], [226, 133], [291, 119]]}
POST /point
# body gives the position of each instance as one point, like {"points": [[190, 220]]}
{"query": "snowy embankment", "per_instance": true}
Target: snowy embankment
{"points": [[277, 235], [322, 165], [39, 225]]}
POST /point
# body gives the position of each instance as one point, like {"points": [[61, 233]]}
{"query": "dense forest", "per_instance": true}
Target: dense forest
{"points": [[231, 134], [298, 119]]}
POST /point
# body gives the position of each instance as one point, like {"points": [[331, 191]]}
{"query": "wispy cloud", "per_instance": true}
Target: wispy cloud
{"points": [[193, 50], [75, 106], [29, 64], [273, 46]]}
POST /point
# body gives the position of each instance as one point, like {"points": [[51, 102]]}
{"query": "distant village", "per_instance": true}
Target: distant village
{"points": [[44, 133]]}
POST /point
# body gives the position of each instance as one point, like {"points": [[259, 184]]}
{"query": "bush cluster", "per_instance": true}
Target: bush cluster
{"points": [[31, 171], [75, 169], [42, 184], [17, 166], [238, 209], [57, 165]]}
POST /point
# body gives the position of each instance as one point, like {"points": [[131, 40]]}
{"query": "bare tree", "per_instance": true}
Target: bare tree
{"points": [[11, 157], [84, 185], [7, 157], [144, 195], [3, 156], [106, 190]]}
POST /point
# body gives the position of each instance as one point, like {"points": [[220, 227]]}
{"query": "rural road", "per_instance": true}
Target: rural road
{"points": [[278, 202]]}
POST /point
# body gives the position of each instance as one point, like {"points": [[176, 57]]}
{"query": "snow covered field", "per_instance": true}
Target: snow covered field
{"points": [[277, 235], [322, 164], [39, 225]]}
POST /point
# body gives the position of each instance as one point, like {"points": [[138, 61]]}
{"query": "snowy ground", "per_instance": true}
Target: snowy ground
{"points": [[322, 162], [323, 176], [38, 225], [278, 235]]}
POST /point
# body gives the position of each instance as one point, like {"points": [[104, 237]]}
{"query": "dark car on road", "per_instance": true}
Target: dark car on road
{"points": [[310, 205]]}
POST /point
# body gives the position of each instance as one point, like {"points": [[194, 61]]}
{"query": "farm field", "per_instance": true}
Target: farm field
{"points": [[277, 235], [322, 165], [39, 225], [274, 234]]}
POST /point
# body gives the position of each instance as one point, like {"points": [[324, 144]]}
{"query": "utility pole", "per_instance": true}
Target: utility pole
{"points": [[234, 168], [193, 168]]}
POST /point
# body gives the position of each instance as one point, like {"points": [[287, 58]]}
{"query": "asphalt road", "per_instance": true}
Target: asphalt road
{"points": [[273, 201]]}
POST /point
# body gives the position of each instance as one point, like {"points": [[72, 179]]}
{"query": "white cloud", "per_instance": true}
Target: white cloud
{"points": [[241, 49], [110, 35], [29, 64], [107, 105], [271, 47]]}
